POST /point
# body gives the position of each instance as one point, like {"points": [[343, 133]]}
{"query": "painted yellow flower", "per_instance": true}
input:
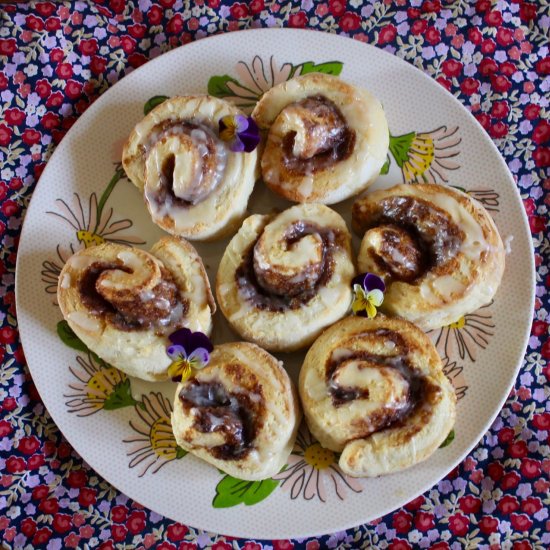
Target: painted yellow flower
{"points": [[154, 446], [100, 387], [426, 157]]}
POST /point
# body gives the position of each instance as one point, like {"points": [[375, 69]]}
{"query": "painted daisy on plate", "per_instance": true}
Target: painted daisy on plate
{"points": [[312, 470], [154, 446]]}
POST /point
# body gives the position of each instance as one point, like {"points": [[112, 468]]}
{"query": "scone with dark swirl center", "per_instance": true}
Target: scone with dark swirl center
{"points": [[374, 390], [437, 249], [123, 302], [240, 413], [284, 278]]}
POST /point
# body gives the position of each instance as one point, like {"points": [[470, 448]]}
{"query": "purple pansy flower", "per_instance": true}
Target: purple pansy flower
{"points": [[189, 350], [369, 294], [241, 132]]}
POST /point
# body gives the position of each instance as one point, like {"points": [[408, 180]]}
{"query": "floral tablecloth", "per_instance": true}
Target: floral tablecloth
{"points": [[56, 58]]}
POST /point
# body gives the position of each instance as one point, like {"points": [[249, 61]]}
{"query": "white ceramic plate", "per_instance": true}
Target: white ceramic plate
{"points": [[121, 426]]}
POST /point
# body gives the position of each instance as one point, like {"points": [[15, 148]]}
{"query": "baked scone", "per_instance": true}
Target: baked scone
{"points": [[123, 302], [327, 139], [374, 390], [436, 248], [284, 278], [193, 184], [239, 413]]}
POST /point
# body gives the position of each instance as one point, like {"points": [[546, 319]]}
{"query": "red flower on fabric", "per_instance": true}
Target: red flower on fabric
{"points": [[87, 496], [137, 30], [488, 46], [541, 133], [45, 9], [488, 525], [475, 36], [73, 89], [504, 37], [508, 504], [136, 522], [527, 11], [43, 88], [166, 546], [542, 66], [469, 86], [297, 20], [521, 522], [221, 545], [522, 545], [35, 461], [5, 428], [510, 480], [119, 513], [531, 505], [542, 421], [5, 135], [7, 336], [500, 109], [28, 527], [500, 83], [107, 545], [98, 64], [282, 545], [128, 43], [7, 46], [447, 84], [14, 116], [64, 71], [399, 544], [117, 5], [175, 24], [431, 6], [176, 531], [42, 536], [86, 531], [387, 34], [188, 545], [349, 21], [34, 23], [50, 120], [28, 444], [53, 24], [518, 449], [541, 156], [469, 504], [459, 524], [239, 10], [433, 36], [419, 26], [88, 47], [402, 522], [72, 540], [137, 59], [49, 506], [424, 521], [415, 504], [413, 13], [451, 67], [441, 545], [256, 6], [3, 81], [248, 545], [55, 100], [154, 15], [40, 492], [487, 66], [167, 3], [118, 532], [493, 18], [530, 467], [540, 328], [61, 523], [336, 7], [15, 465]]}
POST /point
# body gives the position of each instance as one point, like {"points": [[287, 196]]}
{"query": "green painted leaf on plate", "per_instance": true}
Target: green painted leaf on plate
{"points": [[231, 492]]}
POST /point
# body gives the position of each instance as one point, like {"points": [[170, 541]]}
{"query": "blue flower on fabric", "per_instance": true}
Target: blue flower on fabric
{"points": [[241, 132], [369, 294], [189, 350]]}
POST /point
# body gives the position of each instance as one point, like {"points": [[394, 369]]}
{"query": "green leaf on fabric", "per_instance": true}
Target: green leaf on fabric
{"points": [[153, 102], [399, 147], [180, 453], [231, 492], [217, 86], [448, 440], [330, 67], [121, 397], [69, 338]]}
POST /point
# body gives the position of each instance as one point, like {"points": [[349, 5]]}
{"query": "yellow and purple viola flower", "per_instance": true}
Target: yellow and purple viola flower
{"points": [[189, 351], [241, 132], [369, 294]]}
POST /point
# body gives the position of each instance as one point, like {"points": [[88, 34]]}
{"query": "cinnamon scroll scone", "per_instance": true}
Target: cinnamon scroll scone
{"points": [[240, 413], [193, 184], [123, 302], [437, 249], [326, 139], [284, 278], [374, 390]]}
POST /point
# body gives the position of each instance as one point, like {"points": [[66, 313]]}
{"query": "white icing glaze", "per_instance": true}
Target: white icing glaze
{"points": [[84, 320], [66, 280]]}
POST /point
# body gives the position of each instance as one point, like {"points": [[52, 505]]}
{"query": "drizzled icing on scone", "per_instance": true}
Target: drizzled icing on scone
{"points": [[132, 293], [284, 271], [236, 416]]}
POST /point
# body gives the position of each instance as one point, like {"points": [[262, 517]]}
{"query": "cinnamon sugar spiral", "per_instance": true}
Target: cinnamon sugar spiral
{"points": [[240, 412], [123, 302], [193, 184], [326, 139], [284, 278], [437, 249], [375, 391]]}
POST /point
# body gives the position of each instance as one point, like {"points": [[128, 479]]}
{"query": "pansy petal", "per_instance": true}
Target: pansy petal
{"points": [[236, 145], [371, 310], [375, 297], [251, 136], [181, 337], [176, 352], [359, 280], [179, 370], [374, 282], [199, 358], [241, 123]]}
